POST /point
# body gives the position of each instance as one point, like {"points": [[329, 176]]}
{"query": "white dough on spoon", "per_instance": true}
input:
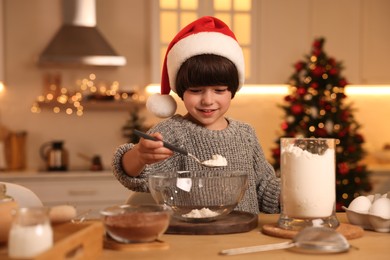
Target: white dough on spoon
{"points": [[216, 161]]}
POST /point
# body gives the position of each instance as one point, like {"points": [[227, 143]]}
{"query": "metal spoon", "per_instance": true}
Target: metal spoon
{"points": [[309, 240], [173, 148]]}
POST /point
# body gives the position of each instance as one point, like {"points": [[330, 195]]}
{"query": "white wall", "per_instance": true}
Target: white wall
{"points": [[29, 25]]}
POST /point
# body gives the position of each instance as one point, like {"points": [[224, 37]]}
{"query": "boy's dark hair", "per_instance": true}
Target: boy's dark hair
{"points": [[207, 70]]}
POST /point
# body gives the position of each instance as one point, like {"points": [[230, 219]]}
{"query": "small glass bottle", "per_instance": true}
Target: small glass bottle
{"points": [[30, 234]]}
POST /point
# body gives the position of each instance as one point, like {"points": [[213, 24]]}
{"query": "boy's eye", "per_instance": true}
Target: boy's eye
{"points": [[195, 90], [221, 89]]}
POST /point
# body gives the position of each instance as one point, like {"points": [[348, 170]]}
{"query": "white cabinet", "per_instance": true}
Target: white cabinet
{"points": [[380, 178], [375, 38], [356, 32], [87, 191]]}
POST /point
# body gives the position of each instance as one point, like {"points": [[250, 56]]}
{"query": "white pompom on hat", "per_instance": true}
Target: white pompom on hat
{"points": [[207, 35]]}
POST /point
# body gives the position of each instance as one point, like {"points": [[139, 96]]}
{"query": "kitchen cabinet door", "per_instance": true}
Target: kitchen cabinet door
{"points": [[339, 22], [286, 30], [375, 42]]}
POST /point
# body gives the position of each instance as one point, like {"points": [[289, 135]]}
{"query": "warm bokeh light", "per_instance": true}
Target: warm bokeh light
{"points": [[367, 90], [2, 87]]}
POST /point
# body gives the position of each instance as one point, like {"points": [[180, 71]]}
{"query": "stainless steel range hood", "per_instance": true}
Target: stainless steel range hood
{"points": [[78, 42]]}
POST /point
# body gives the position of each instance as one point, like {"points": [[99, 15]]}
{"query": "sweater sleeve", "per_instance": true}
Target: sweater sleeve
{"points": [[268, 187], [269, 193], [133, 183], [140, 182]]}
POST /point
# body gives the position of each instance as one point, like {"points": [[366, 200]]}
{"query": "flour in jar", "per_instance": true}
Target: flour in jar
{"points": [[29, 241], [308, 182], [201, 213], [216, 161]]}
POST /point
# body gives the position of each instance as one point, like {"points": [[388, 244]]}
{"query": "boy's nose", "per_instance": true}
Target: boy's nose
{"points": [[207, 98]]}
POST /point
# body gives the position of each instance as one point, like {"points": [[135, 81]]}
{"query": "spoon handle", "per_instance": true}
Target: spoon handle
{"points": [[252, 249], [167, 145]]}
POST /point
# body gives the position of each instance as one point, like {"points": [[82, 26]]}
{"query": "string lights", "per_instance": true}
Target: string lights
{"points": [[60, 99]]}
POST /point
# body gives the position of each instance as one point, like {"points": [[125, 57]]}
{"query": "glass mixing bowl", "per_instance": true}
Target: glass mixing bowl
{"points": [[198, 196], [135, 224]]}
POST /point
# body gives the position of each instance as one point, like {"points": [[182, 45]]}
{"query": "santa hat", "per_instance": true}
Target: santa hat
{"points": [[207, 35]]}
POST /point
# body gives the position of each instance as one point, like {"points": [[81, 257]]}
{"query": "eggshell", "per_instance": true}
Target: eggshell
{"points": [[360, 204], [370, 197], [381, 208]]}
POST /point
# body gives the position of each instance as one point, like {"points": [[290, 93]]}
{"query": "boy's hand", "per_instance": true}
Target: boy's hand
{"points": [[152, 151]]}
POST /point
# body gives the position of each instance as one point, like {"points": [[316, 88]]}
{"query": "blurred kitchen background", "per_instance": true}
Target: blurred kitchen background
{"points": [[274, 33]]}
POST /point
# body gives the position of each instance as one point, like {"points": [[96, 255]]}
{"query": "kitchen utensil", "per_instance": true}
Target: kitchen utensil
{"points": [[96, 161], [55, 156], [308, 240], [198, 196], [175, 149]]}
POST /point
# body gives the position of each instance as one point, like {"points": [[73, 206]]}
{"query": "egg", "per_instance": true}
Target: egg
{"points": [[360, 204], [381, 208], [374, 197]]}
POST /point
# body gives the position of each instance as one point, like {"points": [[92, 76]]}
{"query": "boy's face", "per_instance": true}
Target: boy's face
{"points": [[207, 106]]}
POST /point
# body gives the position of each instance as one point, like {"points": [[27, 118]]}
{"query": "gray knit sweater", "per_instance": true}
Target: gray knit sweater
{"points": [[237, 143]]}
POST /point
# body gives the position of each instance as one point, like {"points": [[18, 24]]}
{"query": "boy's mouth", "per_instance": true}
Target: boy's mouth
{"points": [[207, 111]]}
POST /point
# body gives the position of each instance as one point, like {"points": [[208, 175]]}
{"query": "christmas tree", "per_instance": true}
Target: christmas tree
{"points": [[135, 121], [315, 107]]}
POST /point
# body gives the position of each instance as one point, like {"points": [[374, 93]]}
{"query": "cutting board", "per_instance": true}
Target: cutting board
{"points": [[235, 222], [347, 230]]}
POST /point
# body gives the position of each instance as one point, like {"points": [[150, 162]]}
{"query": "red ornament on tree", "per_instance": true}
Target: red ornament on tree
{"points": [[301, 91], [299, 66], [284, 126], [318, 71], [314, 85], [343, 82], [333, 71], [343, 168], [297, 109]]}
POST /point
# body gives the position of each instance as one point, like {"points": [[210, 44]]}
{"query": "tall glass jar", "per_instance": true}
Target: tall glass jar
{"points": [[308, 192]]}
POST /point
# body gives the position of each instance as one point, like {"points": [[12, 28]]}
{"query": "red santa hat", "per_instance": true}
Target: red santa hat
{"points": [[207, 35]]}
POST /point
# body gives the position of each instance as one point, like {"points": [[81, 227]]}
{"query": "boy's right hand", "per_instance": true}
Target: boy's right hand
{"points": [[149, 151]]}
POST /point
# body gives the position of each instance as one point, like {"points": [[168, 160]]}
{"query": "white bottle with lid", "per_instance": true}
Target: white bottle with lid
{"points": [[30, 234]]}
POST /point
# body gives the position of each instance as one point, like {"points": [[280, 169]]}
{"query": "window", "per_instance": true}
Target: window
{"points": [[169, 16]]}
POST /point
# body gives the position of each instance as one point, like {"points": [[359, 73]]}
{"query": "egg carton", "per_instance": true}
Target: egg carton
{"points": [[370, 212]]}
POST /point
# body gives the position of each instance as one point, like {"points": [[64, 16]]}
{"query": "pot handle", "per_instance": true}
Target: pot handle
{"points": [[42, 150]]}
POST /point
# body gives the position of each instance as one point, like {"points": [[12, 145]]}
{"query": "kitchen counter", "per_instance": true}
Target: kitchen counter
{"points": [[372, 245], [88, 191]]}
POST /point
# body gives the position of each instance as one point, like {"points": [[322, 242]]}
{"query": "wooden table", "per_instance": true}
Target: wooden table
{"points": [[372, 245]]}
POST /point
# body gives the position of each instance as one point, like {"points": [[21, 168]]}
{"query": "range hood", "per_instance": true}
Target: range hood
{"points": [[78, 42]]}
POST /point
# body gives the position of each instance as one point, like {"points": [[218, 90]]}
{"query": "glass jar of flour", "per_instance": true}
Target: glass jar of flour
{"points": [[308, 191], [31, 233]]}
